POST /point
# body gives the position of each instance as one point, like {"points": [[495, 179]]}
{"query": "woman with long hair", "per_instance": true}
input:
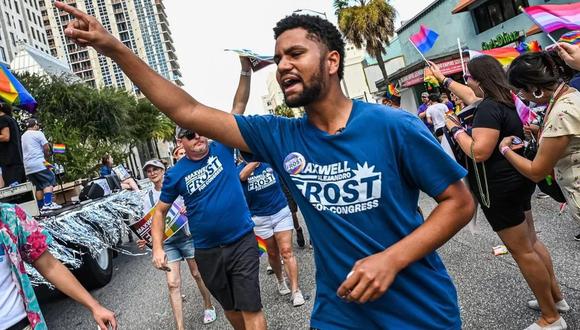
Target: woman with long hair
{"points": [[541, 78], [504, 193]]}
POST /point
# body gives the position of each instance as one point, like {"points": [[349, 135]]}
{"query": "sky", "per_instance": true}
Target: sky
{"points": [[202, 31]]}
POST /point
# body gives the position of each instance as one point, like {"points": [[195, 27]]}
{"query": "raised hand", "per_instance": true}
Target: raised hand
{"points": [[85, 30]]}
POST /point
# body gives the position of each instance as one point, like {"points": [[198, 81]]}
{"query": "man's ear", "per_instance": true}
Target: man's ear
{"points": [[333, 62]]}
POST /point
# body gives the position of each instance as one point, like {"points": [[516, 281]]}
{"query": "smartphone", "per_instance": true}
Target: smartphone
{"points": [[517, 140]]}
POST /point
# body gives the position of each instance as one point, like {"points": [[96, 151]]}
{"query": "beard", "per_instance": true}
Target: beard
{"points": [[310, 93]]}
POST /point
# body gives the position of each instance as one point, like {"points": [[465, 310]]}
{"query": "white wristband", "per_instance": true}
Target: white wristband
{"points": [[246, 73]]}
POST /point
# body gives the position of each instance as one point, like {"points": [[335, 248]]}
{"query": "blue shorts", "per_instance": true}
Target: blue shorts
{"points": [[42, 179], [179, 249]]}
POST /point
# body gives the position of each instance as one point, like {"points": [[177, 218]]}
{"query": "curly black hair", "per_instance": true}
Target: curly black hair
{"points": [[318, 27]]}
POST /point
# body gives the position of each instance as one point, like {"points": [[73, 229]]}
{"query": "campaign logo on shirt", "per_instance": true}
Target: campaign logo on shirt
{"points": [[339, 188], [201, 178], [261, 181]]}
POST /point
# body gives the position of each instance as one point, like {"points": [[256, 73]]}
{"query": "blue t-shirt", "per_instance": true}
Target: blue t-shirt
{"points": [[105, 170], [213, 195], [358, 191], [422, 108], [263, 191]]}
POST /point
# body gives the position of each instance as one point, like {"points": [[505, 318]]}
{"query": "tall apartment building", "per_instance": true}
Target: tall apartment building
{"points": [[20, 22], [141, 25]]}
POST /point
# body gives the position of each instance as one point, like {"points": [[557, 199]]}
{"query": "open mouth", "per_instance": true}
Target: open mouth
{"points": [[289, 83]]}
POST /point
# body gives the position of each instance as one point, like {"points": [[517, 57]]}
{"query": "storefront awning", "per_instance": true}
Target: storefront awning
{"points": [[462, 6], [533, 30]]}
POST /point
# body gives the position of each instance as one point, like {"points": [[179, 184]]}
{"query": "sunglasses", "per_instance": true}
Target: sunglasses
{"points": [[190, 135]]}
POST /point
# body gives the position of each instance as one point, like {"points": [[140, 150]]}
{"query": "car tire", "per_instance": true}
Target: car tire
{"points": [[96, 272]]}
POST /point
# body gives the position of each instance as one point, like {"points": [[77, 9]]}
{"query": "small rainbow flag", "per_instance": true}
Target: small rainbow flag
{"points": [[47, 165], [392, 91], [529, 47], [572, 37], [261, 245], [58, 148], [555, 17], [424, 39]]}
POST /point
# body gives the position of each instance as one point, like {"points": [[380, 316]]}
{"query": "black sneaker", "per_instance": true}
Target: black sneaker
{"points": [[300, 237], [577, 237]]}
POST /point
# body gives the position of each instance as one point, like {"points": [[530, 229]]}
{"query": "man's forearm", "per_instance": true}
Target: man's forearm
{"points": [[445, 220], [153, 85], [158, 228], [58, 275]]}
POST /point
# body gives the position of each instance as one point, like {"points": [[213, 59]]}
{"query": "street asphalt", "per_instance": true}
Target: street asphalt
{"points": [[492, 292]]}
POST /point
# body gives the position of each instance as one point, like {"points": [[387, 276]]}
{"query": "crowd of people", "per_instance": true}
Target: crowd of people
{"points": [[359, 200]]}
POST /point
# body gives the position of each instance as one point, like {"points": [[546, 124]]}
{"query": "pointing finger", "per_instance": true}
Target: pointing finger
{"points": [[71, 10]]}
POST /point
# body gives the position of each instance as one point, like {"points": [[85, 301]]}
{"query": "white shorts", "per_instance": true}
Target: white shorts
{"points": [[266, 226]]}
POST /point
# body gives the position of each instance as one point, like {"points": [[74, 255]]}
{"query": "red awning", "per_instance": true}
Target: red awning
{"points": [[462, 6], [533, 30]]}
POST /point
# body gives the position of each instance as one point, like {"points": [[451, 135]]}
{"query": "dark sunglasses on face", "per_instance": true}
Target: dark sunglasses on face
{"points": [[188, 135]]}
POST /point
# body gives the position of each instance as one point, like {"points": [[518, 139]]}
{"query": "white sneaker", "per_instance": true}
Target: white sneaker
{"points": [[297, 298], [283, 288], [560, 324], [562, 306], [50, 207], [209, 315], [54, 206]]}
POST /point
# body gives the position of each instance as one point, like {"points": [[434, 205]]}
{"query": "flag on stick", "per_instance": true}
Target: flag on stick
{"points": [[524, 112], [424, 39], [554, 17], [572, 37], [58, 148], [257, 61]]}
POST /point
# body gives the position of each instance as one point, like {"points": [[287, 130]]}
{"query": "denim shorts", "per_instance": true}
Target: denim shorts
{"points": [[42, 179], [179, 249]]}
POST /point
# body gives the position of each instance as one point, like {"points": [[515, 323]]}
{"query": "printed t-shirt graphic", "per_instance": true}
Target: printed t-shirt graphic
{"points": [[216, 209], [358, 191], [263, 191]]}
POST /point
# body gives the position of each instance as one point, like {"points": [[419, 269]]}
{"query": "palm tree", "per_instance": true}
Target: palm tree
{"points": [[368, 23]]}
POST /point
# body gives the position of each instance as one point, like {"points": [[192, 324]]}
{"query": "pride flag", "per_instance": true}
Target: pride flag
{"points": [[572, 37], [261, 245], [392, 91], [524, 112], [424, 39], [12, 91], [529, 47], [554, 17], [58, 148]]}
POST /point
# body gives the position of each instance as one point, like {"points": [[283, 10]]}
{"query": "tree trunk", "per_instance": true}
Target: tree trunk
{"points": [[381, 64]]}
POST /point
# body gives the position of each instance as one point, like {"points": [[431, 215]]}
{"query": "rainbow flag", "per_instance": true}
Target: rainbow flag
{"points": [[58, 148], [524, 112], [529, 47], [47, 165], [572, 37], [554, 17], [424, 39], [392, 91], [261, 245], [12, 91], [505, 55]]}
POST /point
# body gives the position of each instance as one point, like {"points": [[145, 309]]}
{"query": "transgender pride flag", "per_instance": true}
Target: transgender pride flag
{"points": [[424, 39], [554, 17], [524, 112]]}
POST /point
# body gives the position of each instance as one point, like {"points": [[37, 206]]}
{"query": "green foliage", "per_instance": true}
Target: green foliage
{"points": [[285, 111], [93, 122], [368, 24]]}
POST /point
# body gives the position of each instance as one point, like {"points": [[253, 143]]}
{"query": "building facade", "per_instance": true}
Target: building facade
{"points": [[477, 24], [141, 25], [20, 22]]}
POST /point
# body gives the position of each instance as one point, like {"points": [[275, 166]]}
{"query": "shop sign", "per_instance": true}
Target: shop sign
{"points": [[502, 39], [447, 68]]}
